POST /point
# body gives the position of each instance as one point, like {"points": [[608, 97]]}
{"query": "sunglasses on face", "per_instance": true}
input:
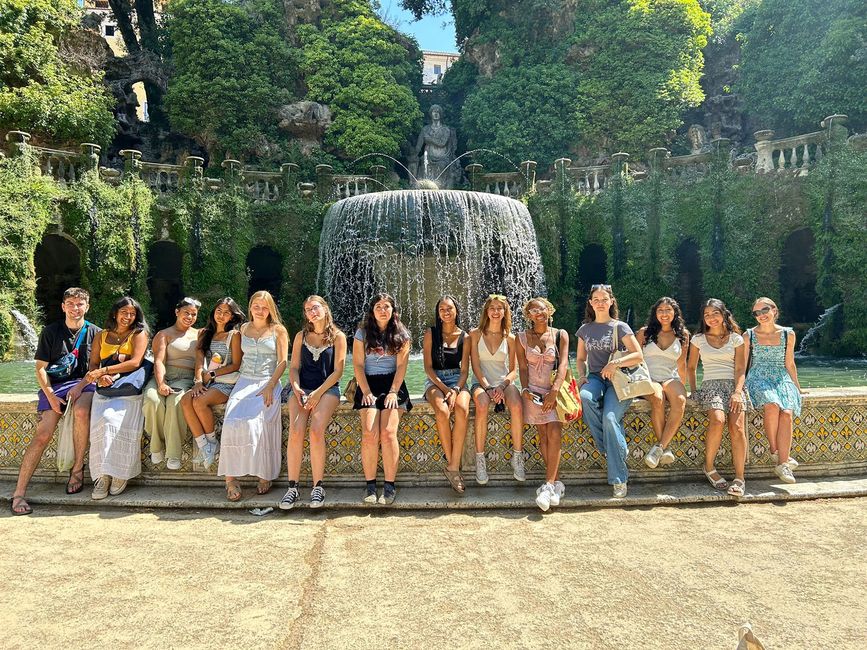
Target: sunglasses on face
{"points": [[496, 296], [762, 311], [538, 310]]}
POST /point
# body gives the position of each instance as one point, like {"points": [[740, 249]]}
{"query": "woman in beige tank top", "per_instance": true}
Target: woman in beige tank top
{"points": [[174, 351]]}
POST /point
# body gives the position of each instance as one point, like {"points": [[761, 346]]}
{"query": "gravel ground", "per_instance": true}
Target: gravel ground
{"points": [[666, 577]]}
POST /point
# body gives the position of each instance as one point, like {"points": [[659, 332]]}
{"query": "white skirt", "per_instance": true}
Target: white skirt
{"points": [[116, 425], [252, 438]]}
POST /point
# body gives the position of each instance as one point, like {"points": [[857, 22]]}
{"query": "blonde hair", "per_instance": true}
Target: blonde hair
{"points": [[541, 300], [273, 312], [769, 302], [331, 329], [507, 316]]}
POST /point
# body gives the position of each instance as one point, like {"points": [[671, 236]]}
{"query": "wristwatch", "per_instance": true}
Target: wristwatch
{"points": [[213, 374]]}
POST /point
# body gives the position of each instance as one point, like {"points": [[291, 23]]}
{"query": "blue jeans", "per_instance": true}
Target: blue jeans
{"points": [[603, 414]]}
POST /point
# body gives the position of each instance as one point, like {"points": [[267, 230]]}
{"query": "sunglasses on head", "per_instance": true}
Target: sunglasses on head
{"points": [[496, 296], [762, 311], [600, 287]]}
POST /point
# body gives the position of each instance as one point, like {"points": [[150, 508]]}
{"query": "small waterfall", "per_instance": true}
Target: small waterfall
{"points": [[420, 244], [823, 321], [27, 339]]}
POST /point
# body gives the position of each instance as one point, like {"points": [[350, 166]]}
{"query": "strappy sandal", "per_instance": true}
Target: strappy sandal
{"points": [[19, 506], [263, 487], [233, 490], [455, 480], [719, 483], [75, 484], [737, 488]]}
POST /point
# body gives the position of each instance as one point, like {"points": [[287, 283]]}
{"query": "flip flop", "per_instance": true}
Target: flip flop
{"points": [[19, 500], [263, 487], [233, 491], [76, 481]]}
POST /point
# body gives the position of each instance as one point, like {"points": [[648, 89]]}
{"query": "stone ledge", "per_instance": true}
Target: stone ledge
{"points": [[476, 498]]}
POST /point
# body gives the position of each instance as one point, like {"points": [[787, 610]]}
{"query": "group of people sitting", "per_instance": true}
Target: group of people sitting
{"points": [[104, 379]]}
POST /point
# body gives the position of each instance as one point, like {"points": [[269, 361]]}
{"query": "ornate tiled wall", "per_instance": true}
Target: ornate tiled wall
{"points": [[830, 437]]}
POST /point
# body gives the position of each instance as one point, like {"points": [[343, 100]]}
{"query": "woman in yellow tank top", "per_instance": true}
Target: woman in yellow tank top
{"points": [[174, 364], [116, 422]]}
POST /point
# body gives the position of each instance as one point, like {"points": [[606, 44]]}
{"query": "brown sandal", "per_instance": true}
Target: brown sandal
{"points": [[455, 480], [19, 506], [75, 484], [264, 487], [233, 490]]}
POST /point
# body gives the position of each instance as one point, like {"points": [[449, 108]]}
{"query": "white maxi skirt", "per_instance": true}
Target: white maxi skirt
{"points": [[116, 425], [252, 438]]}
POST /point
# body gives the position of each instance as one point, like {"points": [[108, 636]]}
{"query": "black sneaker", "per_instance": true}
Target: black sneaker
{"points": [[289, 499], [370, 494], [317, 497], [387, 496]]}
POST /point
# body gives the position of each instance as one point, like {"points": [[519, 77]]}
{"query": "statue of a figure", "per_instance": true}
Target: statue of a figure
{"points": [[698, 141], [434, 150]]}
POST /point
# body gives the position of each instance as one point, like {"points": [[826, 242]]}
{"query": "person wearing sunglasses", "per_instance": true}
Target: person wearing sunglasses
{"points": [[772, 383], [601, 335], [174, 351]]}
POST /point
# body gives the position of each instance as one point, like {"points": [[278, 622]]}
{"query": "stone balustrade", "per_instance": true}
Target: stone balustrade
{"points": [[796, 154], [830, 438]]}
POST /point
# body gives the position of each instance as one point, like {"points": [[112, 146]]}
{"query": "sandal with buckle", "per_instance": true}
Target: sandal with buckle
{"points": [[454, 478], [75, 484], [737, 488], [263, 487], [19, 506], [233, 490], [719, 483]]}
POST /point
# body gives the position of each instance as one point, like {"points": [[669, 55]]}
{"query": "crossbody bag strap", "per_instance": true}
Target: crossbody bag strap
{"points": [[557, 350], [615, 344], [81, 334]]}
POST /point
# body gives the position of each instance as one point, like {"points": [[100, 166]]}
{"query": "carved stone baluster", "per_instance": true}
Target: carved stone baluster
{"points": [[764, 151], [595, 181], [506, 190], [805, 156], [794, 156]]}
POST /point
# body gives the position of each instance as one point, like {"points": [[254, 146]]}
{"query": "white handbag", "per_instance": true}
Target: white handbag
{"points": [[633, 381]]}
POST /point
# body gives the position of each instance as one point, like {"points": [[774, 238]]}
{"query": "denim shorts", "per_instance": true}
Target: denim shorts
{"points": [[288, 392], [449, 377]]}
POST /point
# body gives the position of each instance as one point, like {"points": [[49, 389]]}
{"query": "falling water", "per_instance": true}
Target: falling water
{"points": [[27, 336], [822, 323], [420, 244]]}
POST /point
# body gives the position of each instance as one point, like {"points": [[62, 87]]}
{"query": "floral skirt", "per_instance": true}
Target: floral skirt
{"points": [[715, 394]]}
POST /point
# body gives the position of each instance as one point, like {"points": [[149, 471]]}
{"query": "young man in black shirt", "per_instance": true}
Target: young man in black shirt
{"points": [[56, 341]]}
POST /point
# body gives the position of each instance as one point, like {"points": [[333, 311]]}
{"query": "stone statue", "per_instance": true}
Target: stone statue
{"points": [[698, 141], [307, 122], [434, 150]]}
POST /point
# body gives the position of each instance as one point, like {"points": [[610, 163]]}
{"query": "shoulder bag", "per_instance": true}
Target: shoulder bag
{"points": [[64, 367], [568, 399], [127, 384], [630, 382]]}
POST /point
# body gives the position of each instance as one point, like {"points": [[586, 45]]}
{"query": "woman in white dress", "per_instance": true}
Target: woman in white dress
{"points": [[665, 343], [116, 423], [252, 430]]}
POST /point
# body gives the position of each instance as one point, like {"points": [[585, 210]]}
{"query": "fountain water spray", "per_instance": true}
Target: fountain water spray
{"points": [[28, 334], [822, 323]]}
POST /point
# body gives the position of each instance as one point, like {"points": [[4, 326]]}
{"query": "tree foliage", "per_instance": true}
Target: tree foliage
{"points": [[39, 92], [802, 59]]}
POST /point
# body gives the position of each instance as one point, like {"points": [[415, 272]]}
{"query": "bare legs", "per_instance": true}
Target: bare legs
{"points": [[198, 410], [452, 439], [379, 430], [483, 405], [713, 439], [778, 429], [665, 430], [550, 435], [318, 420]]}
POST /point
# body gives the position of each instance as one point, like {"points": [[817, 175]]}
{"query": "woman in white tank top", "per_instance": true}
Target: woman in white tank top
{"points": [[495, 366], [665, 343]]}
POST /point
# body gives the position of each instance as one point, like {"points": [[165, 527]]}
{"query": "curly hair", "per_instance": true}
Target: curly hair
{"points": [[653, 326]]}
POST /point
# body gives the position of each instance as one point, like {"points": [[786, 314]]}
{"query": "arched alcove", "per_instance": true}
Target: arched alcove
{"points": [[165, 282], [798, 300], [265, 270], [592, 267], [57, 261], [690, 290]]}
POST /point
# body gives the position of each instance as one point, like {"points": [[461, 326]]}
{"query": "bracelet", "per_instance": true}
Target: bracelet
{"points": [[391, 392]]}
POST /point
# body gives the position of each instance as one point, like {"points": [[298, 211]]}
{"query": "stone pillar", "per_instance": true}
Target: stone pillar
{"points": [[90, 155], [528, 169], [232, 173], [561, 174], [474, 173], [17, 142], [131, 162], [308, 191], [764, 151], [620, 163], [836, 127], [324, 176], [194, 170], [288, 172], [657, 157]]}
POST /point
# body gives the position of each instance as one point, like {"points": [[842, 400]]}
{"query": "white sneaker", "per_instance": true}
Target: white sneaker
{"points": [[619, 490], [117, 486], [667, 457], [518, 466], [173, 463], [785, 473], [543, 496], [775, 460], [652, 457], [157, 457], [557, 492], [289, 499], [101, 488], [481, 469], [317, 497]]}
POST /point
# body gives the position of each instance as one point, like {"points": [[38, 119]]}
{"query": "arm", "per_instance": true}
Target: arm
{"points": [[465, 366], [523, 371], [639, 336], [633, 358], [736, 404], [551, 398], [790, 360], [75, 391], [681, 360], [42, 377], [692, 366], [237, 356], [402, 363], [427, 355], [581, 361], [267, 391], [475, 335], [358, 354], [294, 368], [198, 385], [334, 377], [159, 347]]}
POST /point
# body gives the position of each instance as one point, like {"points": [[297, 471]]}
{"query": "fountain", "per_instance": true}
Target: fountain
{"points": [[821, 324], [25, 343], [420, 244]]}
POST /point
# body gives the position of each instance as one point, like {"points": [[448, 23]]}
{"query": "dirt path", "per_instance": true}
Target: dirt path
{"points": [[667, 577]]}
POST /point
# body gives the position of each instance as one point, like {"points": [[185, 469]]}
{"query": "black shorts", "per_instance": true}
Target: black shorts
{"points": [[379, 386]]}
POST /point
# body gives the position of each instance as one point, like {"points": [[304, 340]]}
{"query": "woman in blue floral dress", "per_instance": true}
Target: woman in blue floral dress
{"points": [[772, 382]]}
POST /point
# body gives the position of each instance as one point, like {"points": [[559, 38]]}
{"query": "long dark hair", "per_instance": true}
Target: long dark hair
{"points": [[729, 321], [613, 310], [329, 335], [437, 329], [654, 327], [138, 325], [210, 329], [393, 337]]}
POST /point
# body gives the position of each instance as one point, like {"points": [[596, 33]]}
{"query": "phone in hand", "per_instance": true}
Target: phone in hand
{"points": [[537, 399]]}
